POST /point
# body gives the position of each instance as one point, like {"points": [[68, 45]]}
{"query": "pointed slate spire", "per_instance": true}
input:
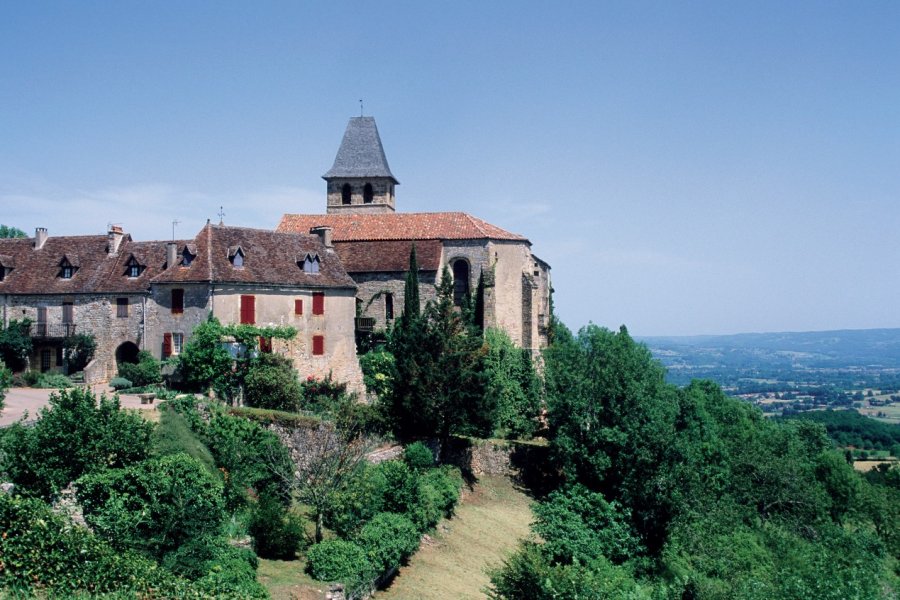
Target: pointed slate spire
{"points": [[361, 153]]}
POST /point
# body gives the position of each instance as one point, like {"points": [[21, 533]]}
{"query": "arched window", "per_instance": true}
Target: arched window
{"points": [[460, 280], [367, 193], [345, 194]]}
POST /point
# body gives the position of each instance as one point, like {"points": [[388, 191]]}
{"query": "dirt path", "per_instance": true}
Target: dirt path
{"points": [[452, 564]]}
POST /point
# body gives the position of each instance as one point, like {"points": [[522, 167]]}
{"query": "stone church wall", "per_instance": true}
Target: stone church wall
{"points": [[374, 286]]}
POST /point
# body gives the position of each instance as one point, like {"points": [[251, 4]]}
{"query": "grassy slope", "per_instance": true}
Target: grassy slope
{"points": [[452, 565]]}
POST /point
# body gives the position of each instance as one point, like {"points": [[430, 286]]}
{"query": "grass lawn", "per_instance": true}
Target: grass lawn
{"points": [[452, 564]]}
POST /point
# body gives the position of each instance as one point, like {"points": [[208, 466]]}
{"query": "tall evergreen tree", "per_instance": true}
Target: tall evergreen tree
{"points": [[411, 307], [479, 302]]}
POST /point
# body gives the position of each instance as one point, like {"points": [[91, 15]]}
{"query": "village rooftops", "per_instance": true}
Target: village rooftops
{"points": [[400, 226]]}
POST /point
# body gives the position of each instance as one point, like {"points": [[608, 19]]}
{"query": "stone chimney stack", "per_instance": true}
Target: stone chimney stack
{"points": [[324, 232], [40, 237], [171, 254], [115, 235]]}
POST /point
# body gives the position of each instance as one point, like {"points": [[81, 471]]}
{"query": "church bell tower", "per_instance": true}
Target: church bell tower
{"points": [[360, 181]]}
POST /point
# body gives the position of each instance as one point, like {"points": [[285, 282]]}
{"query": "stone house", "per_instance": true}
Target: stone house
{"points": [[135, 296], [374, 242]]}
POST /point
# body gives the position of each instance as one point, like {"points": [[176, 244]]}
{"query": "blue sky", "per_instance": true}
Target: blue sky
{"points": [[686, 168]]}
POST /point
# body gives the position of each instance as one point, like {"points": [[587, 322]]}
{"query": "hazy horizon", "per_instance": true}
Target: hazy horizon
{"points": [[686, 169]]}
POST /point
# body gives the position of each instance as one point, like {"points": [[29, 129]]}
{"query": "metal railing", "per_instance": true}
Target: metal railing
{"points": [[52, 330], [365, 324]]}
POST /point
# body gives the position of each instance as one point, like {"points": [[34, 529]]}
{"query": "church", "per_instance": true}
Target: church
{"points": [[373, 241]]}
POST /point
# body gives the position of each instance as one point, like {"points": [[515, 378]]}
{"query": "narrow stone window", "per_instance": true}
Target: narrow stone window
{"points": [[177, 301], [345, 194], [460, 281], [318, 345], [177, 342], [368, 194], [388, 306], [122, 308]]}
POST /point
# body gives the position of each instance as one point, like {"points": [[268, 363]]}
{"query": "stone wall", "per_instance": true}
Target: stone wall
{"points": [[373, 286], [161, 320], [382, 196]]}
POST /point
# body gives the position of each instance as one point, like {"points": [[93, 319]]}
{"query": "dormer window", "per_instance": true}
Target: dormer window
{"points": [[236, 256], [186, 257], [66, 268], [133, 268], [311, 264], [6, 265]]}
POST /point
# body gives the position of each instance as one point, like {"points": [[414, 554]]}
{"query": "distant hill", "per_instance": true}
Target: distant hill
{"points": [[840, 349]]}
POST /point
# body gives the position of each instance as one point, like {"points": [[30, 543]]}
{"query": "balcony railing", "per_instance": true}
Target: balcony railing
{"points": [[52, 330], [366, 324]]}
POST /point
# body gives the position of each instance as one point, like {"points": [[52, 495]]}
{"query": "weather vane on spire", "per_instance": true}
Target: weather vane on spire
{"points": [[360, 107], [221, 216]]}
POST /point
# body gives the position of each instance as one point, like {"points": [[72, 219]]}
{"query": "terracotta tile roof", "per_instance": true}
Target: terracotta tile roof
{"points": [[269, 258], [38, 271], [388, 256], [400, 226]]}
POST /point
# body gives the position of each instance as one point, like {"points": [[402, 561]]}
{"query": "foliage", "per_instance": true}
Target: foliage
{"points": [[379, 369], [73, 435], [5, 382], [418, 456], [154, 506], [388, 540], [439, 387], [217, 568], [271, 382], [78, 350], [145, 372], [351, 507], [849, 428], [120, 383], [173, 435], [8, 231], [15, 344], [277, 533], [340, 560], [411, 303], [43, 552], [52, 381], [511, 383], [204, 363], [323, 396]]}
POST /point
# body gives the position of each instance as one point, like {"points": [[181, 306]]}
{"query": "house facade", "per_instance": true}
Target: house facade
{"points": [[374, 241]]}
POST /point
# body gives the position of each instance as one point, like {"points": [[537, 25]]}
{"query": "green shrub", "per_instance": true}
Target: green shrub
{"points": [[15, 344], [388, 539], [378, 369], [56, 381], [79, 350], [418, 456], [446, 482], [173, 435], [218, 569], [73, 435], [154, 506], [145, 372], [277, 533], [401, 490], [271, 382], [342, 561], [322, 396], [120, 383], [31, 377], [5, 382], [354, 505]]}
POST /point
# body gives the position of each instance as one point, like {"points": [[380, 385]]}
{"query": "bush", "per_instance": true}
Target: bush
{"points": [[378, 369], [388, 539], [15, 344], [173, 435], [352, 507], [401, 490], [53, 381], [120, 383], [145, 372], [31, 377], [154, 506], [5, 382], [218, 569], [322, 395], [271, 382], [277, 533], [79, 350], [418, 456], [342, 561], [446, 482], [73, 435]]}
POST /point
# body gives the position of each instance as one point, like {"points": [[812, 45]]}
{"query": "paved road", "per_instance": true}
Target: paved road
{"points": [[20, 401]]}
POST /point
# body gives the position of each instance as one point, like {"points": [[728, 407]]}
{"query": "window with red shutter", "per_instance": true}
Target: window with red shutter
{"points": [[167, 345], [177, 301], [248, 310], [265, 345], [318, 345], [318, 303], [298, 307]]}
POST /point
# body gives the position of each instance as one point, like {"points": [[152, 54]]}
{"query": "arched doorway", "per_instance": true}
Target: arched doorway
{"points": [[460, 280], [127, 352]]}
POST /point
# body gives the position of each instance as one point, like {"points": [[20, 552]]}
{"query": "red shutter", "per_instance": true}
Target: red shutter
{"points": [[318, 303], [167, 345], [248, 310], [177, 301], [298, 307], [265, 345], [318, 345]]}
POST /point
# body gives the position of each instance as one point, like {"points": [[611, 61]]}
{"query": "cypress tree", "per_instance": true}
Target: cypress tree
{"points": [[479, 303], [411, 306]]}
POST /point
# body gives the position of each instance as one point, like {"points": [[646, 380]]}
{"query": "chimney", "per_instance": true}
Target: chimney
{"points": [[40, 237], [324, 233], [115, 235], [171, 254]]}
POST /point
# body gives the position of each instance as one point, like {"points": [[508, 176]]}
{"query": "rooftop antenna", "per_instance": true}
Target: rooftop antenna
{"points": [[174, 223], [360, 107], [221, 216]]}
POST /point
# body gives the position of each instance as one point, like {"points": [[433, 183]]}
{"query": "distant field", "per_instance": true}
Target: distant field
{"points": [[452, 566], [891, 412]]}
